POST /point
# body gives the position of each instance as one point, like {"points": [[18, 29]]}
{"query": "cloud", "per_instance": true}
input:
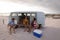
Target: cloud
{"points": [[50, 4]]}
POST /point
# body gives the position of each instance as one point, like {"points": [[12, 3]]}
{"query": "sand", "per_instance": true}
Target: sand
{"points": [[51, 31]]}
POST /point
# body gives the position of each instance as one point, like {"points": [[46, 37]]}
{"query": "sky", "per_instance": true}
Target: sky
{"points": [[46, 6], [49, 4]]}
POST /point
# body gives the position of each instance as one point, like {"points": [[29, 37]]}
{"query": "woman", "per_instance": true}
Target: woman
{"points": [[26, 23], [35, 24]]}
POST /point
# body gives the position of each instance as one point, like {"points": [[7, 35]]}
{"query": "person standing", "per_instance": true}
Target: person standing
{"points": [[3, 21], [22, 17], [25, 23]]}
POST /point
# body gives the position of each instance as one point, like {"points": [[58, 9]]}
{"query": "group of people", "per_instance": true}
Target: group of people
{"points": [[28, 27]]}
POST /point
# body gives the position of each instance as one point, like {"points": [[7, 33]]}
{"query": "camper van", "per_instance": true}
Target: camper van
{"points": [[40, 16]]}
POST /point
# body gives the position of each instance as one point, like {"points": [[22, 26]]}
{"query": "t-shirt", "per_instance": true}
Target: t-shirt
{"points": [[35, 23], [11, 23]]}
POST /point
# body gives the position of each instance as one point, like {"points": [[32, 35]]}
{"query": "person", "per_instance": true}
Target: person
{"points": [[34, 24], [26, 24], [3, 21], [11, 25], [22, 18]]}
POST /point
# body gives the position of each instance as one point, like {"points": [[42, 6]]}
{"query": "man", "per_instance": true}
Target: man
{"points": [[11, 25]]}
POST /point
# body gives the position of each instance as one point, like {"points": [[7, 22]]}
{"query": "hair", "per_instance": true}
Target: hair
{"points": [[13, 18], [34, 18], [22, 13]]}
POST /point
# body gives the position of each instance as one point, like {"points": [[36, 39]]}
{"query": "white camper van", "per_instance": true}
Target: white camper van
{"points": [[40, 16]]}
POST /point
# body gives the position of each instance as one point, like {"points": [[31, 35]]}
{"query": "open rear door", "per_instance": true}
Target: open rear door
{"points": [[40, 18]]}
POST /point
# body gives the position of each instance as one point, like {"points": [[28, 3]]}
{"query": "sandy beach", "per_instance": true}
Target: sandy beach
{"points": [[51, 31]]}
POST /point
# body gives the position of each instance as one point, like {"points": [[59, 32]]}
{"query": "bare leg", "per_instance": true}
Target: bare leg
{"points": [[25, 28], [13, 29], [29, 28], [10, 30]]}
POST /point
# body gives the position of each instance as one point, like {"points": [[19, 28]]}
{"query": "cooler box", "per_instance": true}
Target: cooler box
{"points": [[37, 33]]}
